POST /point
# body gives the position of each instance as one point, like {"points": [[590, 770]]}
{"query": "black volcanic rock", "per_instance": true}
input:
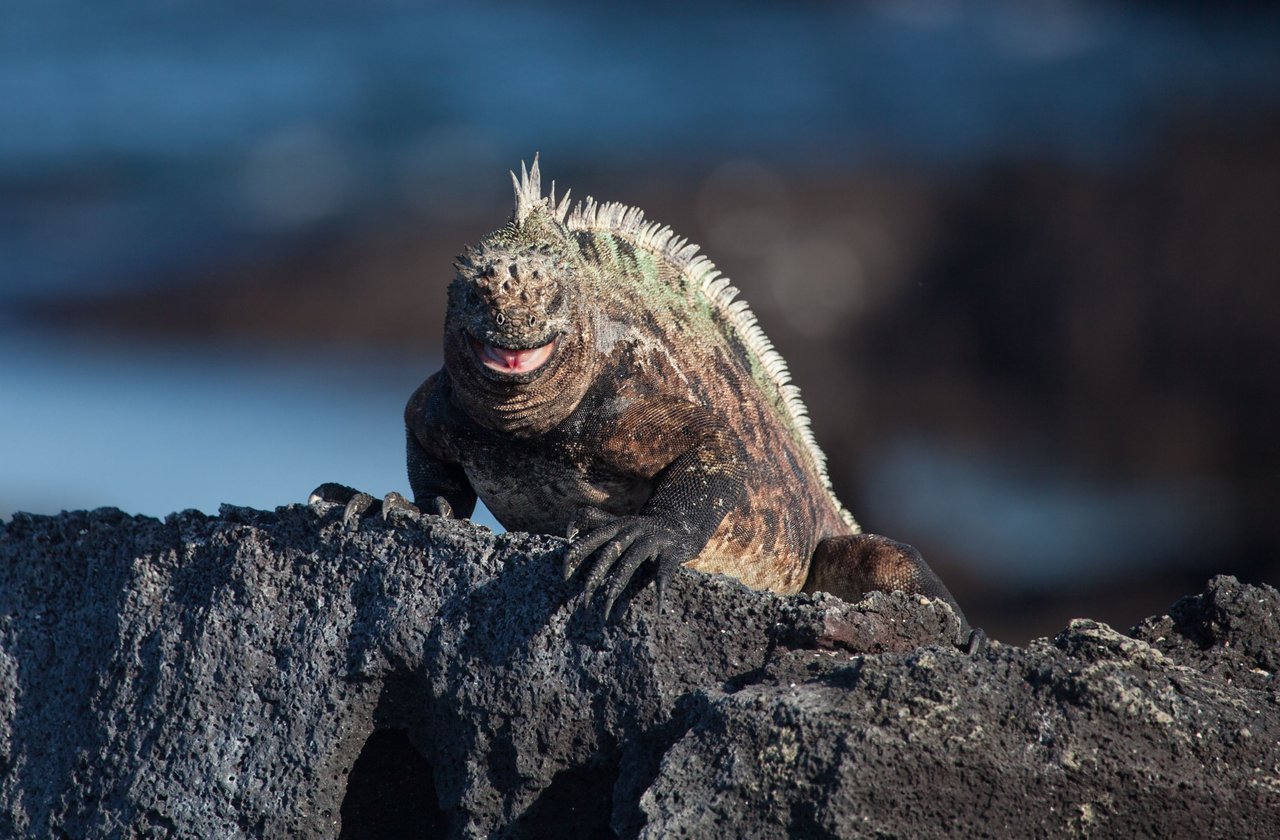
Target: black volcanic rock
{"points": [[274, 674]]}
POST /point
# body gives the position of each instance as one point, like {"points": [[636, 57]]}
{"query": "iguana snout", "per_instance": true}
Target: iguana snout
{"points": [[512, 308]]}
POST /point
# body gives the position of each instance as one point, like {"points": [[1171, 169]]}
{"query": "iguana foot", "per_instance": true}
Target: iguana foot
{"points": [[851, 566], [618, 546], [358, 505]]}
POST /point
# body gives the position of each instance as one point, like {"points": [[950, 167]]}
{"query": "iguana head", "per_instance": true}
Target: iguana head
{"points": [[513, 306], [517, 330]]}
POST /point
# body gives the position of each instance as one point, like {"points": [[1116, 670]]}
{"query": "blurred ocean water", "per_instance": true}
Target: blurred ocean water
{"points": [[1030, 521], [153, 429], [139, 140], [138, 137]]}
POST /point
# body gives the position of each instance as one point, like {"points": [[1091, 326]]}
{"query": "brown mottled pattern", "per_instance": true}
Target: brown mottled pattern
{"points": [[653, 403], [631, 387], [768, 540]]}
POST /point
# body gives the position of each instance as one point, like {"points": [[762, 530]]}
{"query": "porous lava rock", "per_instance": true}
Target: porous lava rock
{"points": [[273, 674]]}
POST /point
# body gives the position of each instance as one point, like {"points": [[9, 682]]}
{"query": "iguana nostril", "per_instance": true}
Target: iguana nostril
{"points": [[501, 319], [532, 320]]}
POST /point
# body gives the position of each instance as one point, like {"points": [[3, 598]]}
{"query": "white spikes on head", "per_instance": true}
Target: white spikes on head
{"points": [[696, 270], [528, 189]]}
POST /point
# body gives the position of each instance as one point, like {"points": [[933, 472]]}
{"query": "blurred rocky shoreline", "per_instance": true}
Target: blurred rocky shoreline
{"points": [[1015, 338]]}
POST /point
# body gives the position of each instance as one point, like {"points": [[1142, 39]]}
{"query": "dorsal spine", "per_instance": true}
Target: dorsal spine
{"points": [[699, 273]]}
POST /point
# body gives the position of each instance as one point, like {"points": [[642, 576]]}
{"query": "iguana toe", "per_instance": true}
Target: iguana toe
{"points": [[394, 504], [583, 545], [333, 493], [587, 518], [355, 504], [440, 507], [618, 549], [625, 568], [359, 505], [976, 643]]}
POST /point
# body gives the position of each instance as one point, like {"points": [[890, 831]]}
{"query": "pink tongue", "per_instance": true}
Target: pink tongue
{"points": [[512, 359]]}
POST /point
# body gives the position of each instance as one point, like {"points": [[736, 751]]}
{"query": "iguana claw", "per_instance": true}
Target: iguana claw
{"points": [[618, 547], [394, 504], [976, 643], [333, 493], [357, 505]]}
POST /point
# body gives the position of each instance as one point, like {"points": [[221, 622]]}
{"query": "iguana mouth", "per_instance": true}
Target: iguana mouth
{"points": [[512, 362]]}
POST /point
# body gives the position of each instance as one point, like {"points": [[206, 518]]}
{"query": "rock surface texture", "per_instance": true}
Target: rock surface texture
{"points": [[274, 674]]}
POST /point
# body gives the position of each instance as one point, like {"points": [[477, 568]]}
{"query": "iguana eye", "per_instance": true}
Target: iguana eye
{"points": [[501, 319]]}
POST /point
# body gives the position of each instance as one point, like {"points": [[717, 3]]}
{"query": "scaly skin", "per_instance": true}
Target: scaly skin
{"points": [[598, 382]]}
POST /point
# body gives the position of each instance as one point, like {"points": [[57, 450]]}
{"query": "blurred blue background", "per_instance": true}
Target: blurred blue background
{"points": [[1022, 256]]}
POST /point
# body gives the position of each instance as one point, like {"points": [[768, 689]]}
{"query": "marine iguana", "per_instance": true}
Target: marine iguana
{"points": [[601, 381]]}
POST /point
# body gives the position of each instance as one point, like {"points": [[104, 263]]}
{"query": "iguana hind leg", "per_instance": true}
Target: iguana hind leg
{"points": [[851, 566]]}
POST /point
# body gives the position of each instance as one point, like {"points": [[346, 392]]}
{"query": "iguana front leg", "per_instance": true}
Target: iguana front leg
{"points": [[695, 464], [439, 488]]}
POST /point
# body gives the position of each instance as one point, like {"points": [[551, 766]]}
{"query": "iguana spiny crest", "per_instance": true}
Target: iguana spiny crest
{"points": [[537, 257]]}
